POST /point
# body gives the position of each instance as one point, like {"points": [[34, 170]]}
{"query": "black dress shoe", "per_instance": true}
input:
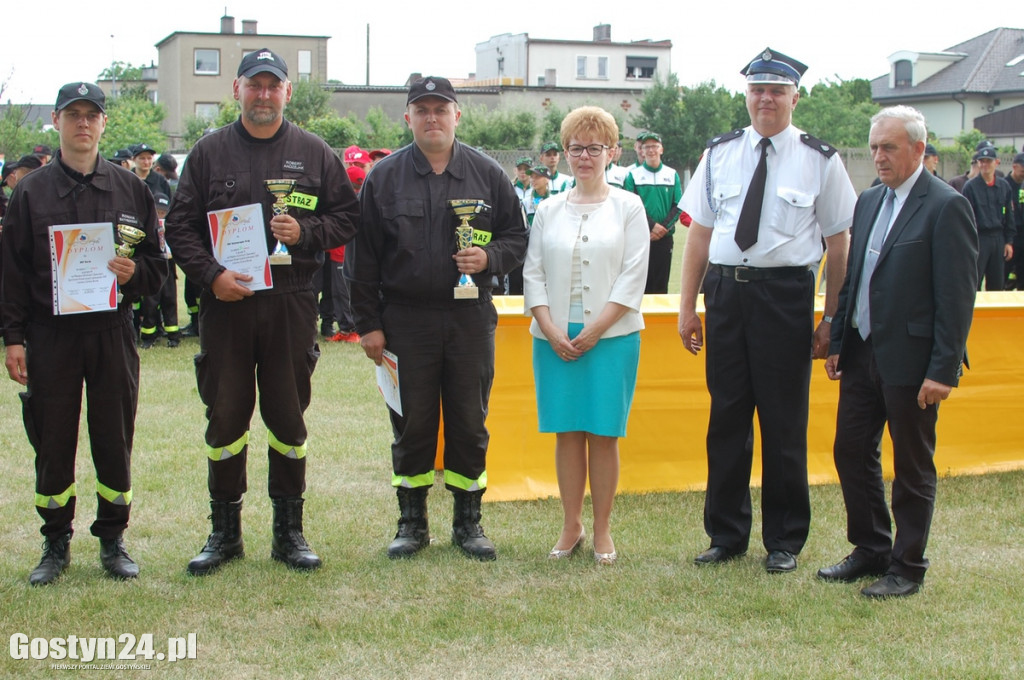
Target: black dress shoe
{"points": [[852, 568], [780, 562], [716, 554], [891, 585]]}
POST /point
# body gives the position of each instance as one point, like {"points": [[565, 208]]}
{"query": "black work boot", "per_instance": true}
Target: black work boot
{"points": [[289, 545], [466, 530], [115, 559], [225, 541], [56, 558], [413, 534]]}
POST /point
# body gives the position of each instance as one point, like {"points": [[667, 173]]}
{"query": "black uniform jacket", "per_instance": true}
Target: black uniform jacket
{"points": [[227, 169], [403, 252], [50, 196]]}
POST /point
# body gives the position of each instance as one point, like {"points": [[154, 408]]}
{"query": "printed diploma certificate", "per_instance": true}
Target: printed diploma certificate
{"points": [[240, 243], [79, 254]]}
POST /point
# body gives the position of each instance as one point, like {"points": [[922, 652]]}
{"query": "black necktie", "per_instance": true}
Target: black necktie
{"points": [[750, 216]]}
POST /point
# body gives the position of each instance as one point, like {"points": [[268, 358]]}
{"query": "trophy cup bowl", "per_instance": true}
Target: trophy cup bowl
{"points": [[466, 209], [280, 188], [129, 237]]}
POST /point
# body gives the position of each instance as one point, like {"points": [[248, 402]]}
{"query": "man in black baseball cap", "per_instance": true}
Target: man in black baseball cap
{"points": [[67, 351]]}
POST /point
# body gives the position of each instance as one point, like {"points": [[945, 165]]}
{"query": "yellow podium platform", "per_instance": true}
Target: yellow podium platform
{"points": [[664, 450]]}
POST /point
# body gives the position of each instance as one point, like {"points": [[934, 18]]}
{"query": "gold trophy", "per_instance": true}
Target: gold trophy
{"points": [[466, 209], [129, 238], [280, 188]]}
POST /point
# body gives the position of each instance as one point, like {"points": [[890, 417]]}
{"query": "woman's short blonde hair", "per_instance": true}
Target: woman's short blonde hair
{"points": [[588, 121]]}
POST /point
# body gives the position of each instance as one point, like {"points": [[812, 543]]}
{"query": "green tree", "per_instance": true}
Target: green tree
{"points": [[838, 112], [384, 133], [121, 71], [338, 132], [131, 120], [18, 137], [309, 101], [551, 125], [497, 129], [661, 111]]}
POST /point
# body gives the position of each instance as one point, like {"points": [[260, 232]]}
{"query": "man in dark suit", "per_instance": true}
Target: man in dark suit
{"points": [[898, 340]]}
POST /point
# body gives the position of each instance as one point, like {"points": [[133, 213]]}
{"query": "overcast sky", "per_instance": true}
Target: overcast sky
{"points": [[43, 46]]}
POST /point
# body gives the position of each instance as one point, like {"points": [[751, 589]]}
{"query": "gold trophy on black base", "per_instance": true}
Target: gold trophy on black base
{"points": [[129, 237], [280, 188], [466, 209]]}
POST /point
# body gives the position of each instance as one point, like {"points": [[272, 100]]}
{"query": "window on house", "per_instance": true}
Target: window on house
{"points": [[207, 62], [602, 67], [581, 67], [904, 73], [305, 64], [641, 67], [207, 111]]}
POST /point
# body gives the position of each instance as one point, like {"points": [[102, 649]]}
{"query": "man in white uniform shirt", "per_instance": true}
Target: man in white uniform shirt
{"points": [[761, 200]]}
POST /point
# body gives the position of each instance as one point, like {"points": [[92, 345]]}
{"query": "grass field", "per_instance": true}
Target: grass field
{"points": [[653, 615]]}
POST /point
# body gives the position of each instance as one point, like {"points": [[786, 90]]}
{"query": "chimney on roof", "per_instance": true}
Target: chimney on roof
{"points": [[248, 27], [227, 24], [603, 33]]}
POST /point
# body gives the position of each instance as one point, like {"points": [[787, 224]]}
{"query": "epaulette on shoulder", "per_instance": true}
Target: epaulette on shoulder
{"points": [[826, 150], [727, 137]]}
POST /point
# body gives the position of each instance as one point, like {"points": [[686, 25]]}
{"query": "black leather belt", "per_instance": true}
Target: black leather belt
{"points": [[747, 274]]}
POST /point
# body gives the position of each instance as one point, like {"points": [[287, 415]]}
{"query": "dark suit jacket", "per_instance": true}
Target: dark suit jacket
{"points": [[923, 286]]}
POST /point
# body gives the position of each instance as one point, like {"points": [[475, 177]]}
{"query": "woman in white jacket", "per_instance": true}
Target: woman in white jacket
{"points": [[584, 278]]}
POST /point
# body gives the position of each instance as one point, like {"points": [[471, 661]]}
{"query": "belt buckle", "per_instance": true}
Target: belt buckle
{"points": [[737, 273]]}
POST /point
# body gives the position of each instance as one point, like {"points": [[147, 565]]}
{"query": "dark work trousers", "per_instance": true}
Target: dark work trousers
{"points": [[659, 265], [445, 360], [163, 307], [190, 294], [58, 361], [759, 337], [323, 281], [342, 299], [266, 342], [866, 404], [990, 259]]}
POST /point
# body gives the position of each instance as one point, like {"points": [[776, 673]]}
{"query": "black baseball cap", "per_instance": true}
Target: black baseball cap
{"points": [[121, 155], [73, 92], [142, 148], [431, 86], [263, 61]]}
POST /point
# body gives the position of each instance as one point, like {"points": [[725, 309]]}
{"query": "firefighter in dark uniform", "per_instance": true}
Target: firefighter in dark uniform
{"points": [[53, 354], [264, 339], [402, 267]]}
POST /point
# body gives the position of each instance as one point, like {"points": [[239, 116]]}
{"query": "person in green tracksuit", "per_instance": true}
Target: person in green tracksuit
{"points": [[660, 190]]}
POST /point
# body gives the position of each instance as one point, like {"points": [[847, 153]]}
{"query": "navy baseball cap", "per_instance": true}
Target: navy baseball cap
{"points": [[263, 61], [773, 67], [431, 86], [73, 92]]}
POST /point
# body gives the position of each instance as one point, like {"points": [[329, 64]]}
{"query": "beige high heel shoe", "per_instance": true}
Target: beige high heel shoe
{"points": [[557, 554], [606, 559]]}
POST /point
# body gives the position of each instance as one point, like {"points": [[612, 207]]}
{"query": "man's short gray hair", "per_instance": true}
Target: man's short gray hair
{"points": [[913, 121]]}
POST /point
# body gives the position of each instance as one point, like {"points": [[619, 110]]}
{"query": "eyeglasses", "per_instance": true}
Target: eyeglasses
{"points": [[651, 147], [593, 150]]}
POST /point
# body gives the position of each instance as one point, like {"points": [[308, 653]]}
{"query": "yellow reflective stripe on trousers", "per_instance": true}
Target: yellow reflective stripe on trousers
{"points": [[465, 483], [286, 450], [232, 449], [414, 482], [58, 501], [112, 496]]}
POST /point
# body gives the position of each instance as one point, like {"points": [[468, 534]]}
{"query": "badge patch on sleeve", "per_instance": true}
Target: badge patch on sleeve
{"points": [[481, 238], [299, 200]]}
